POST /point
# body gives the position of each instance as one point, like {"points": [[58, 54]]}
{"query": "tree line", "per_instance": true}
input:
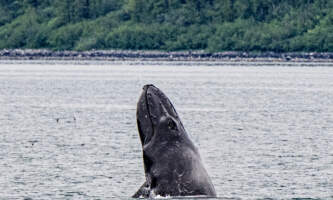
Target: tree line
{"points": [[169, 25]]}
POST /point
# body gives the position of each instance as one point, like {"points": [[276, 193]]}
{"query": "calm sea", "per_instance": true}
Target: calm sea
{"points": [[69, 131]]}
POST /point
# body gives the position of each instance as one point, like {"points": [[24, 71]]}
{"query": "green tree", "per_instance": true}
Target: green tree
{"points": [[212, 25]]}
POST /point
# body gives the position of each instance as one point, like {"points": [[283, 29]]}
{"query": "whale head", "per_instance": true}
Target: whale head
{"points": [[157, 117], [172, 163]]}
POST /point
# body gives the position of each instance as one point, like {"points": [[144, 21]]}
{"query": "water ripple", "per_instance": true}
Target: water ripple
{"points": [[69, 132]]}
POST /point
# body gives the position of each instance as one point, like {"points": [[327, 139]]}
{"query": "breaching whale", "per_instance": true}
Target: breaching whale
{"points": [[172, 163]]}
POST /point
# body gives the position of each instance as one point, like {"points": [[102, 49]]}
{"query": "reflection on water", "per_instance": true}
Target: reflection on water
{"points": [[69, 131]]}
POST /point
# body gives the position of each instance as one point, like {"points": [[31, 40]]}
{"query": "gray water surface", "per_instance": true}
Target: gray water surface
{"points": [[69, 131]]}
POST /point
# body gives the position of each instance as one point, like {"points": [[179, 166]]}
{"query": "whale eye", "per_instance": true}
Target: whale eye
{"points": [[172, 125]]}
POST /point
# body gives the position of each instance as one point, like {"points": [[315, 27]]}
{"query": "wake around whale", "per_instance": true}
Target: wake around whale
{"points": [[172, 163]]}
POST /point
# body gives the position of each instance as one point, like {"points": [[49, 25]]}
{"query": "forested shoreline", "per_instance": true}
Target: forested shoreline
{"points": [[168, 25], [149, 56]]}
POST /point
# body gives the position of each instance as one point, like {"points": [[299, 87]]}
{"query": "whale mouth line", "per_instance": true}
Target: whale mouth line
{"points": [[149, 116]]}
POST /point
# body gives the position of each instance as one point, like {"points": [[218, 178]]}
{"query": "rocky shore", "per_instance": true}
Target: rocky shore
{"points": [[193, 56]]}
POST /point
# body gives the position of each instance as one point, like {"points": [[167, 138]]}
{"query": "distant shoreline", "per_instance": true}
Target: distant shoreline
{"points": [[160, 56]]}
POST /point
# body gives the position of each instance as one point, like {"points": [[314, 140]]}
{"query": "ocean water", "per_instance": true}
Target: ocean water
{"points": [[69, 131]]}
